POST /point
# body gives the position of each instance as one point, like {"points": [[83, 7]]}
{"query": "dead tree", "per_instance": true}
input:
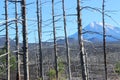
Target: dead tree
{"points": [[39, 22], [36, 55], [80, 41], [17, 42], [104, 38], [55, 44], [7, 42], [66, 42], [25, 41]]}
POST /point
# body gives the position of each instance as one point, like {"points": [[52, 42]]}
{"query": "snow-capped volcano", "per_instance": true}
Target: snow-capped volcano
{"points": [[94, 31]]}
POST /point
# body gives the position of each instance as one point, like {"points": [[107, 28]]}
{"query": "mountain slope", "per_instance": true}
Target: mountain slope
{"points": [[94, 30], [3, 40]]}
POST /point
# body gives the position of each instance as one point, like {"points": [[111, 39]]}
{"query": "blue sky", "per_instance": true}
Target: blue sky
{"points": [[88, 16]]}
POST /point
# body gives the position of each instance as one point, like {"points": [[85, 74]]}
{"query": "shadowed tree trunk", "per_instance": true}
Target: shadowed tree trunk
{"points": [[104, 38], [39, 22], [36, 55], [17, 43], [25, 41], [82, 60], [66, 42]]}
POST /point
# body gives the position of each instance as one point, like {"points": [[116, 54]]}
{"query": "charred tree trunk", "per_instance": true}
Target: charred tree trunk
{"points": [[55, 44], [39, 22], [104, 38], [7, 42], [80, 41], [25, 41], [17, 43], [66, 42]]}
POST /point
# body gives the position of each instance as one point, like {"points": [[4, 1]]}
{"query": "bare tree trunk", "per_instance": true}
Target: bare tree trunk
{"points": [[25, 41], [7, 42], [17, 43], [86, 64], [104, 38], [80, 41], [39, 19], [36, 56], [66, 42], [55, 44]]}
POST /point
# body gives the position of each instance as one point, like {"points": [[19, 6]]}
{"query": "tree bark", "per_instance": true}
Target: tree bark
{"points": [[104, 38], [7, 42], [25, 41], [17, 43], [39, 22], [82, 60], [66, 42], [55, 44]]}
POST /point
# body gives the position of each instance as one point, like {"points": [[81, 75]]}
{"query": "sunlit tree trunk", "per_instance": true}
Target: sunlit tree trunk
{"points": [[7, 42], [55, 44]]}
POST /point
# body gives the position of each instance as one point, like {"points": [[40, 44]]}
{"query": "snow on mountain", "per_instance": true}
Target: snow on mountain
{"points": [[94, 31]]}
